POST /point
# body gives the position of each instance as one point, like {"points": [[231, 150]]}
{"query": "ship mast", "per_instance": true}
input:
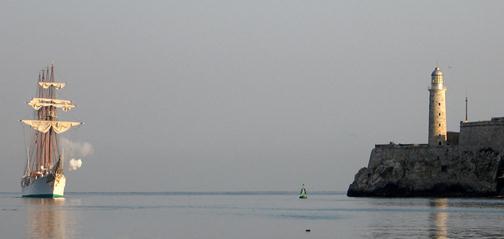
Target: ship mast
{"points": [[43, 154]]}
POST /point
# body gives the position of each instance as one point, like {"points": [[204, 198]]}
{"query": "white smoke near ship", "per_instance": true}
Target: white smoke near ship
{"points": [[74, 164], [75, 151]]}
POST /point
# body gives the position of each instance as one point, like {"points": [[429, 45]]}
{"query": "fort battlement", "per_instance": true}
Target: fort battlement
{"points": [[392, 145], [496, 121], [483, 134]]}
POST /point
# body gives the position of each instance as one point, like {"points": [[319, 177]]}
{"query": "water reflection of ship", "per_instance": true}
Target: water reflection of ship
{"points": [[47, 218], [439, 217]]}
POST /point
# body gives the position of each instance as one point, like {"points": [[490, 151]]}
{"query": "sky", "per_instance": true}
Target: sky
{"points": [[233, 95]]}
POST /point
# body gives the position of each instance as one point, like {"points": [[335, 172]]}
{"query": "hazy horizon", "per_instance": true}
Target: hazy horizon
{"points": [[240, 95]]}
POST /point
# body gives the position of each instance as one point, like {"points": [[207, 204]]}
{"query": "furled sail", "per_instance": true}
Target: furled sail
{"points": [[38, 103], [46, 85], [44, 126]]}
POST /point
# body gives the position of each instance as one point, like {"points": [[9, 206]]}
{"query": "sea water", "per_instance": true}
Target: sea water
{"points": [[247, 215]]}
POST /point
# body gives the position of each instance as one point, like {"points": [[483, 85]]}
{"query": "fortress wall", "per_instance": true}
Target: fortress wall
{"points": [[417, 161], [420, 170], [483, 134]]}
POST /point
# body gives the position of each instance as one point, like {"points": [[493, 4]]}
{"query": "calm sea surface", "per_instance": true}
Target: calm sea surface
{"points": [[247, 215]]}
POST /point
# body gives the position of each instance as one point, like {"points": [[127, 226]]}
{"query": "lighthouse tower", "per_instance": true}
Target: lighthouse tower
{"points": [[437, 109]]}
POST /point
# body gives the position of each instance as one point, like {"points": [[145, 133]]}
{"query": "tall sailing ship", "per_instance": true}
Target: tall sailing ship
{"points": [[43, 175]]}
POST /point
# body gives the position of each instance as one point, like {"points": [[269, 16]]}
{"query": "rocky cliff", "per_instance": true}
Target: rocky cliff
{"points": [[423, 170]]}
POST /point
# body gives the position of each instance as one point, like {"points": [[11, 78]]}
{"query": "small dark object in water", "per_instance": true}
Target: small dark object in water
{"points": [[308, 230]]}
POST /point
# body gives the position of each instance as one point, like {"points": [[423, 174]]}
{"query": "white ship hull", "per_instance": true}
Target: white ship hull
{"points": [[46, 187]]}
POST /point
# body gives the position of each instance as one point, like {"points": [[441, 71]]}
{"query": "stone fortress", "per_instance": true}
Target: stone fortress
{"points": [[465, 164]]}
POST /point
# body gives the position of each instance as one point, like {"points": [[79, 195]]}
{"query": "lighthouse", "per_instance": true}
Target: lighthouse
{"points": [[437, 109]]}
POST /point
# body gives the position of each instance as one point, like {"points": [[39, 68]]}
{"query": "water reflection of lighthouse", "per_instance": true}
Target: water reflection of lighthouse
{"points": [[47, 219], [440, 218]]}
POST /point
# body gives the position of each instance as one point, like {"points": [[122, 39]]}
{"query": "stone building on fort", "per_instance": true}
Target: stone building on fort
{"points": [[465, 163]]}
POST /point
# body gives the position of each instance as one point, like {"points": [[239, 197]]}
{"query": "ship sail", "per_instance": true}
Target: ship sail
{"points": [[44, 126], [44, 170], [57, 85], [38, 103]]}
